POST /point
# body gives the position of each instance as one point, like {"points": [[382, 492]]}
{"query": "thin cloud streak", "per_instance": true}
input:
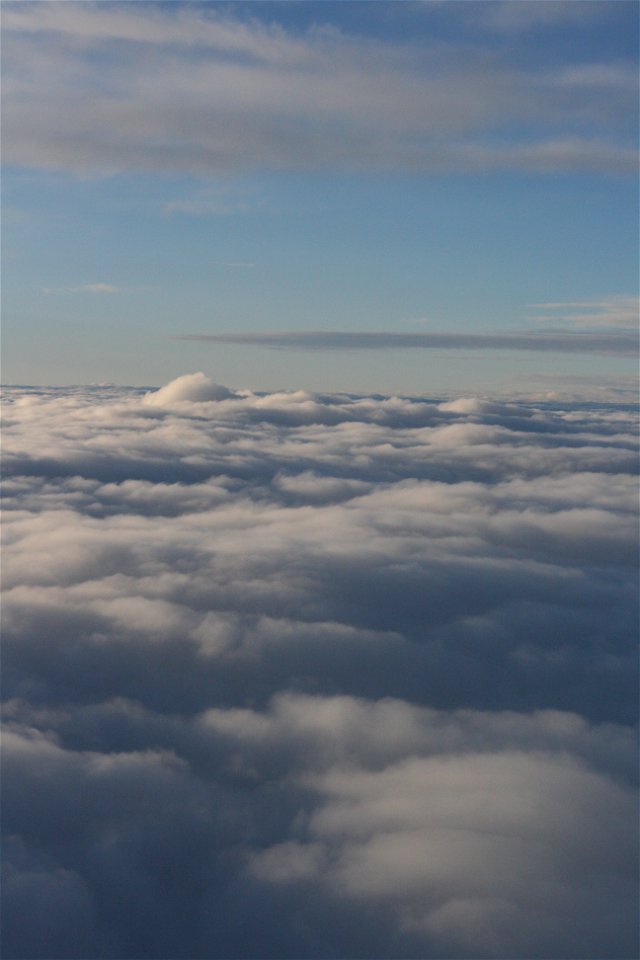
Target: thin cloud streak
{"points": [[621, 312], [98, 288], [235, 264], [619, 344]]}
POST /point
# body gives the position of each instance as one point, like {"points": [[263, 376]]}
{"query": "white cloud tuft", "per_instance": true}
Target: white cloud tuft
{"points": [[192, 387]]}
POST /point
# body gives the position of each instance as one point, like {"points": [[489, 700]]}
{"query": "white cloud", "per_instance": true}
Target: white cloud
{"points": [[617, 312], [211, 94], [85, 288], [458, 845], [189, 388], [235, 264], [508, 17], [225, 199], [360, 669]]}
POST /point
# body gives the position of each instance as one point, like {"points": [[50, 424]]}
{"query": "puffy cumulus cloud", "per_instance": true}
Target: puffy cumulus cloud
{"points": [[318, 675], [192, 386], [320, 826], [448, 825]]}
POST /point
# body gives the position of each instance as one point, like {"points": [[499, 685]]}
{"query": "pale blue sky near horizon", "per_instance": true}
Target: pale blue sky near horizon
{"points": [[210, 169]]}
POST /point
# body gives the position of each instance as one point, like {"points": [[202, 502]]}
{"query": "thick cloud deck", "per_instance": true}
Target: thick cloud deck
{"points": [[299, 675]]}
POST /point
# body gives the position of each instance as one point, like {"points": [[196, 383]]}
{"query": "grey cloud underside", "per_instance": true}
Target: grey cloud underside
{"points": [[207, 94], [617, 343], [303, 675]]}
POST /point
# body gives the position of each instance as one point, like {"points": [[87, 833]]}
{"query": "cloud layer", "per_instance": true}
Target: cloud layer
{"points": [[613, 312], [302, 675], [618, 342], [114, 88]]}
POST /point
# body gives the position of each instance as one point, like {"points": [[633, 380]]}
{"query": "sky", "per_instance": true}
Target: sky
{"points": [[303, 675], [320, 182], [320, 454]]}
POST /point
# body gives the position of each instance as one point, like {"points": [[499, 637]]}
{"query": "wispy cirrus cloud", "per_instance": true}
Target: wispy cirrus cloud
{"points": [[507, 17], [617, 343], [97, 288], [620, 311], [214, 93], [235, 264], [223, 200]]}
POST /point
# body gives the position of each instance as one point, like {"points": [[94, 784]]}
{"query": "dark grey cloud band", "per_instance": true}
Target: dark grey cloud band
{"points": [[618, 343]]}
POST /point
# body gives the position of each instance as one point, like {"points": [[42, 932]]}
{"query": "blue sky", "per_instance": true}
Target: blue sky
{"points": [[245, 170]]}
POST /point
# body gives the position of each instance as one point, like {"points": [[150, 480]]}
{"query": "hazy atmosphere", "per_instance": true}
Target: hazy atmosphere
{"points": [[320, 450]]}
